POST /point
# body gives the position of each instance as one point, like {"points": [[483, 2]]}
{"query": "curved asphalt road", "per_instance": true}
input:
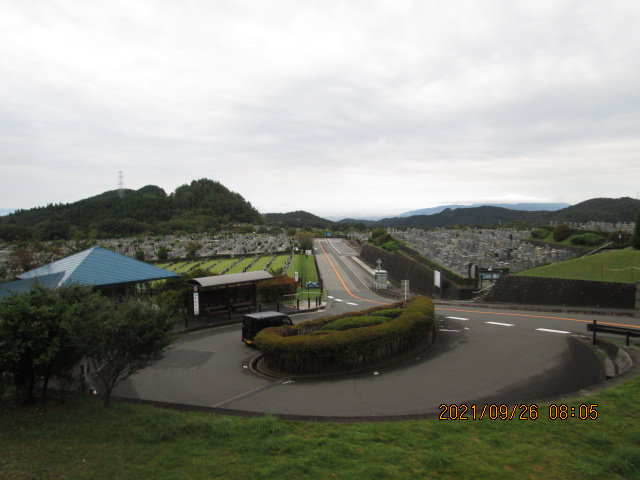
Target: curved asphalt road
{"points": [[481, 357]]}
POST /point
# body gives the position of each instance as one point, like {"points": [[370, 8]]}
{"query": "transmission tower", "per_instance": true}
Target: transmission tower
{"points": [[120, 184]]}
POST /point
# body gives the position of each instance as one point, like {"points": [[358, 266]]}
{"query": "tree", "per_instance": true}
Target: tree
{"points": [[305, 240], [119, 341], [635, 238], [30, 255], [34, 347], [192, 249], [276, 288], [562, 232], [163, 254]]}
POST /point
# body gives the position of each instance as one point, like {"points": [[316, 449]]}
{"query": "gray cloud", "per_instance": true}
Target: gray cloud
{"points": [[321, 105]]}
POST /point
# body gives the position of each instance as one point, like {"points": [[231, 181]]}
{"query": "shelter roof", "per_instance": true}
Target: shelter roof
{"points": [[230, 279], [100, 267], [22, 286]]}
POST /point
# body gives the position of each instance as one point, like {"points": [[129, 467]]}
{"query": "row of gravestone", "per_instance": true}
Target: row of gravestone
{"points": [[495, 249]]}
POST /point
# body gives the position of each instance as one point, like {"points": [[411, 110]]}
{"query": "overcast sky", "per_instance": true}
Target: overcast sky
{"points": [[334, 107]]}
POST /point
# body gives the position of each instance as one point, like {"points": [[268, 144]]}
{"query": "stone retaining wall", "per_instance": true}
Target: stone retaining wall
{"points": [[400, 267]]}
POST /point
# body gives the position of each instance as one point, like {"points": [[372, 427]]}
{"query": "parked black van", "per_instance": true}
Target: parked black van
{"points": [[254, 322]]}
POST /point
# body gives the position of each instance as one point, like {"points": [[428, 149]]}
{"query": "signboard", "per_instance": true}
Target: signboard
{"points": [[437, 278], [196, 303]]}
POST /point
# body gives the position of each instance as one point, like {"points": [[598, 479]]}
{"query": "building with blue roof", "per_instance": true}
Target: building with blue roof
{"points": [[110, 272]]}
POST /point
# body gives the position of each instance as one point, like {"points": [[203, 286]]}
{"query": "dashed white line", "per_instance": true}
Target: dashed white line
{"points": [[501, 324], [458, 318], [552, 331]]}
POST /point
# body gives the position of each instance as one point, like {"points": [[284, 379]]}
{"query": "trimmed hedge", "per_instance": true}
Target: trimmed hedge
{"points": [[292, 350], [355, 322]]}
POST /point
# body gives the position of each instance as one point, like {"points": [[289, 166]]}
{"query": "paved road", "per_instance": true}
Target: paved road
{"points": [[482, 356]]}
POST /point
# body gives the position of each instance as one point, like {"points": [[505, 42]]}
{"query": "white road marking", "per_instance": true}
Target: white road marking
{"points": [[447, 330], [338, 300], [501, 324], [552, 331], [351, 303], [458, 318]]}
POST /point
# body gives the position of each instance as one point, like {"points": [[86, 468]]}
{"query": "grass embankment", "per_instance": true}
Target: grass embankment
{"points": [[83, 440], [307, 272], [621, 266]]}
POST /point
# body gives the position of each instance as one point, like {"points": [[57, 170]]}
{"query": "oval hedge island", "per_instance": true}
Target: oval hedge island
{"points": [[349, 342]]}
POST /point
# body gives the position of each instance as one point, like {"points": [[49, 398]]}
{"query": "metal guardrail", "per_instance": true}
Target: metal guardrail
{"points": [[627, 331]]}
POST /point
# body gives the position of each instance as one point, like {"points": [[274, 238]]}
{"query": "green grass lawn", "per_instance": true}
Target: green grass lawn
{"points": [[241, 265], [83, 440], [305, 266], [261, 263], [607, 266], [222, 265], [278, 263]]}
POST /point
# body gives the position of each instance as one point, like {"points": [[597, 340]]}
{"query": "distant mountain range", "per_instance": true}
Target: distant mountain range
{"points": [[598, 209], [530, 207]]}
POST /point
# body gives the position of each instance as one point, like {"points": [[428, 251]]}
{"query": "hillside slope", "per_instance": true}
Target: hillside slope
{"points": [[598, 210], [199, 206]]}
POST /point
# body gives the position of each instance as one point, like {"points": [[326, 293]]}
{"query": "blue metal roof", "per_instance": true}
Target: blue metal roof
{"points": [[23, 286], [100, 267]]}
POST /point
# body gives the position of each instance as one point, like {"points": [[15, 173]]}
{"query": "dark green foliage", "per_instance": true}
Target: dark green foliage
{"points": [[201, 206], [119, 340], [598, 209], [635, 238], [589, 239], [390, 312], [380, 238], [305, 240], [163, 254], [298, 219], [44, 333], [562, 232], [355, 322], [286, 351], [192, 249], [275, 289], [539, 233], [34, 346], [389, 246]]}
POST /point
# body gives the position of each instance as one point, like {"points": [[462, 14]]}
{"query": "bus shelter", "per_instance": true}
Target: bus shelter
{"points": [[225, 294]]}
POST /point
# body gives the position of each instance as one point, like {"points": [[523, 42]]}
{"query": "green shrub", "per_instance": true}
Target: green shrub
{"points": [[355, 322], [389, 246], [587, 239], [539, 233], [390, 312], [351, 349], [562, 232]]}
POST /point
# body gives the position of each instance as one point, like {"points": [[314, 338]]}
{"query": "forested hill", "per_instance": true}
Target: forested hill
{"points": [[299, 219], [200, 206], [598, 210]]}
